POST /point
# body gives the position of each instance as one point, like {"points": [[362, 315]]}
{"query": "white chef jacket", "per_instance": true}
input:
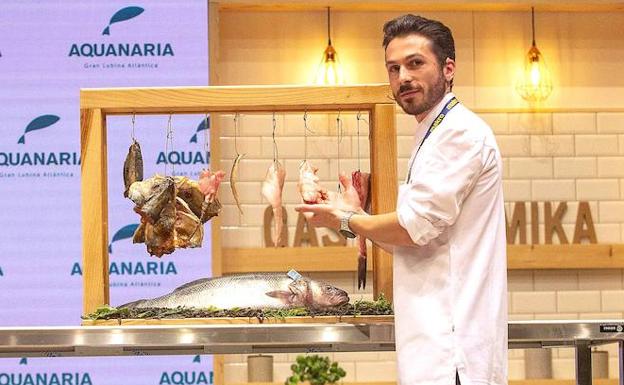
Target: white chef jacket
{"points": [[450, 291]]}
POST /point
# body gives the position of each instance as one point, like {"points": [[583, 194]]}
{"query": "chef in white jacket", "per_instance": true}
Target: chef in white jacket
{"points": [[448, 232]]}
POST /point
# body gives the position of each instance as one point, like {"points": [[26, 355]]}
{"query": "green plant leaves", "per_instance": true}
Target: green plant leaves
{"points": [[315, 369]]}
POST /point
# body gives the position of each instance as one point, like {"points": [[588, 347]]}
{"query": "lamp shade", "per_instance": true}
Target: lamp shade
{"points": [[329, 71], [535, 83]]}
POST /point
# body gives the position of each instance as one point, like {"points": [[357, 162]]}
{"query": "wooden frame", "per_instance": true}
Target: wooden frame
{"points": [[344, 259], [96, 104]]}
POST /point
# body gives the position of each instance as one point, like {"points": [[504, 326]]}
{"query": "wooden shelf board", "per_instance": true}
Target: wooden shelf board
{"points": [[344, 259], [157, 100], [429, 6]]}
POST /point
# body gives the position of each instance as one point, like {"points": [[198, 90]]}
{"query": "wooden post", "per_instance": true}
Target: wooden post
{"points": [[384, 188], [94, 209]]}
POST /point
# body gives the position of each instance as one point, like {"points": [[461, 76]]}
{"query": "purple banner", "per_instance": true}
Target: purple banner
{"points": [[48, 51]]}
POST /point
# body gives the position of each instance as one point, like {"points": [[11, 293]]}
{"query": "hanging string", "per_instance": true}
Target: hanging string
{"points": [[236, 119], [169, 141], [274, 142], [359, 117], [339, 132], [207, 138], [305, 135], [132, 134]]}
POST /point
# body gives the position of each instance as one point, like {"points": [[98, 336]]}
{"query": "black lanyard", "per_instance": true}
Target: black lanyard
{"points": [[436, 122]]}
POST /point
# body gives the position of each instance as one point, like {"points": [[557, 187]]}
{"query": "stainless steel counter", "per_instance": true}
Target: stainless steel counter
{"points": [[228, 339]]}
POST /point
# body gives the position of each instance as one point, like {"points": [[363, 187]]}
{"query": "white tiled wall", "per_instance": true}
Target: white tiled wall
{"points": [[547, 157]]}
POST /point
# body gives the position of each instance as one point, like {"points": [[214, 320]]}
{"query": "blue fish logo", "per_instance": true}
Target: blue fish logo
{"points": [[38, 123], [204, 125], [123, 233], [123, 15]]}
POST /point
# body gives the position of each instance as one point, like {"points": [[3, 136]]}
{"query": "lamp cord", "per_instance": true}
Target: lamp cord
{"points": [[533, 23], [328, 24]]}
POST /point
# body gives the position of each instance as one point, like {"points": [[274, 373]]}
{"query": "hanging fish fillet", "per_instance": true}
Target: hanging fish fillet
{"points": [[272, 191], [309, 188], [361, 183], [133, 166], [234, 180], [209, 185]]}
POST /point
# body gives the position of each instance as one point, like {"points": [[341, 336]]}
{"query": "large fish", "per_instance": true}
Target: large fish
{"points": [[272, 191], [133, 166], [258, 291]]}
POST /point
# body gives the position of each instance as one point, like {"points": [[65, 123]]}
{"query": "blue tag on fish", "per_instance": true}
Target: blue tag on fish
{"points": [[293, 275]]}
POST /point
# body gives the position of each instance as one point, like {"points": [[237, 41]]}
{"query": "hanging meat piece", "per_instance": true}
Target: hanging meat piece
{"points": [[151, 196], [168, 213], [160, 232], [272, 191], [209, 185], [189, 231], [189, 192], [361, 183], [309, 188]]}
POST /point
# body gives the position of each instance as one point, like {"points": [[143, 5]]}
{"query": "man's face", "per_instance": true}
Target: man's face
{"points": [[416, 78]]}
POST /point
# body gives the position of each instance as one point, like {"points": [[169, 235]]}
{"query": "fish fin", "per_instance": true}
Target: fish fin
{"points": [[282, 295], [106, 31], [194, 139], [22, 139]]}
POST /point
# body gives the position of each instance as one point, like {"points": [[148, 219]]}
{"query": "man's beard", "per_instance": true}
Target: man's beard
{"points": [[431, 97]]}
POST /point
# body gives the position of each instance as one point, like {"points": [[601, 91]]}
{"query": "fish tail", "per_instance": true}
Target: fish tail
{"points": [[194, 138], [22, 139], [106, 31]]}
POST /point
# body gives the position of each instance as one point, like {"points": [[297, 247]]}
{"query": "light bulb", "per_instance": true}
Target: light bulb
{"points": [[535, 74], [534, 84], [329, 71]]}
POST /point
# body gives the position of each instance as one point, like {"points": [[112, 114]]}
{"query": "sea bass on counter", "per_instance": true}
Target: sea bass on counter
{"points": [[259, 291]]}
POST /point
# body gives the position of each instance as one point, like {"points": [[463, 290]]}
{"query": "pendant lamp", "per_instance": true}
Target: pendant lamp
{"points": [[534, 84], [329, 71]]}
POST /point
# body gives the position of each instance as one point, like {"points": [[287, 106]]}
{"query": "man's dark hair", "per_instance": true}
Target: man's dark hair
{"points": [[439, 34]]}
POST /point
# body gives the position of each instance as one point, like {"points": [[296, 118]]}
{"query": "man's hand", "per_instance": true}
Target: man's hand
{"points": [[329, 215], [321, 215]]}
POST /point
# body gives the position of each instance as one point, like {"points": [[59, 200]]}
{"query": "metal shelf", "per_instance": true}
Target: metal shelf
{"points": [[258, 338]]}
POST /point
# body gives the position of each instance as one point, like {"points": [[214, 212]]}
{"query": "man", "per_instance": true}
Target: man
{"points": [[448, 232]]}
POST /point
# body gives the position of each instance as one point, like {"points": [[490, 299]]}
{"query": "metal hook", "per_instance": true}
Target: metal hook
{"points": [[133, 118], [305, 135], [206, 136], [339, 134], [274, 142], [236, 118], [169, 139]]}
